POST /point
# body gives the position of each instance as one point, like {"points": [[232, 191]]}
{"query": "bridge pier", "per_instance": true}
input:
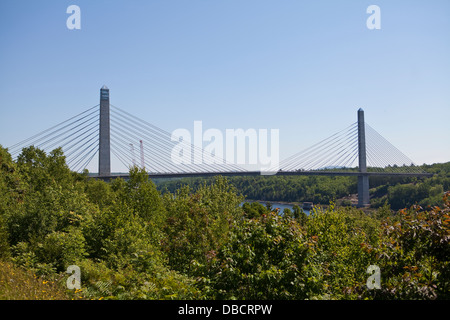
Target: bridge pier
{"points": [[363, 177], [104, 147], [363, 191]]}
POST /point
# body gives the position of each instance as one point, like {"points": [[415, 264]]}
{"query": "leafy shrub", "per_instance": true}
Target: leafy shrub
{"points": [[340, 261], [263, 259], [413, 254], [198, 223]]}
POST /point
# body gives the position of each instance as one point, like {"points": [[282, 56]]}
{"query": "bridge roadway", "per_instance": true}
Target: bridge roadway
{"points": [[260, 173]]}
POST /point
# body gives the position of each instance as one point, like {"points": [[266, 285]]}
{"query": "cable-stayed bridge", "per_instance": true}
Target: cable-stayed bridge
{"points": [[107, 131]]}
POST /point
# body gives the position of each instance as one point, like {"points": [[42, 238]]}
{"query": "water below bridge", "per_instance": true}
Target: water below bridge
{"points": [[279, 205]]}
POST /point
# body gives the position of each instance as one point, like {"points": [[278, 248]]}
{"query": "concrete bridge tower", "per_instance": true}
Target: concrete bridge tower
{"points": [[363, 177], [104, 151]]}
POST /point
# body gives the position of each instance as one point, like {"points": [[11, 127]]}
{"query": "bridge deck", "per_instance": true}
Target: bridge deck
{"points": [[260, 173]]}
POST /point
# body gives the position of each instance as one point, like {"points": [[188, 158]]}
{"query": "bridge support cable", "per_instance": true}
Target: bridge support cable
{"points": [[85, 164], [28, 141], [292, 161], [121, 143], [74, 141], [43, 144], [71, 135], [374, 162], [326, 153], [159, 136], [79, 165], [351, 157], [80, 149], [159, 156], [156, 134], [340, 151], [156, 164], [134, 129], [118, 156], [119, 152], [377, 162], [330, 156], [47, 136], [80, 139], [378, 152], [388, 155], [300, 160], [67, 137], [160, 152]]}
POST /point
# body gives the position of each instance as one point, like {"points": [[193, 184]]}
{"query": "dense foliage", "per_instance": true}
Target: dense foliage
{"points": [[132, 241], [398, 192], [318, 189]]}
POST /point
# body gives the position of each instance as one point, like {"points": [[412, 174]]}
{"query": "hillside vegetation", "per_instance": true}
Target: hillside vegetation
{"points": [[397, 192], [132, 241]]}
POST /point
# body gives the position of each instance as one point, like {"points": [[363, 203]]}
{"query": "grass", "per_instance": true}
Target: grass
{"points": [[17, 283]]}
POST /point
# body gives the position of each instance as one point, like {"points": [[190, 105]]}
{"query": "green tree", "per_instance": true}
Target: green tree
{"points": [[12, 195], [263, 259], [4, 243], [254, 209], [129, 226], [99, 192], [413, 254], [299, 214], [401, 196], [339, 258], [198, 223]]}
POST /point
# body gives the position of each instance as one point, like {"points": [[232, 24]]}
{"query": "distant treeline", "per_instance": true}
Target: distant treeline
{"points": [[398, 192]]}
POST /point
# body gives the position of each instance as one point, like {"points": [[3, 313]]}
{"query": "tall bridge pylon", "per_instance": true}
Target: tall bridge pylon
{"points": [[363, 178], [104, 149]]}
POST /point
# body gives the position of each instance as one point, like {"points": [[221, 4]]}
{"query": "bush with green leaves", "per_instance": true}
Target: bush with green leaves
{"points": [[338, 256], [198, 223], [265, 258], [413, 254], [98, 281], [130, 221]]}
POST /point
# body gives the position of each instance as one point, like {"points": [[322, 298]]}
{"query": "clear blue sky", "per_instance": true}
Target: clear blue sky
{"points": [[303, 67]]}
